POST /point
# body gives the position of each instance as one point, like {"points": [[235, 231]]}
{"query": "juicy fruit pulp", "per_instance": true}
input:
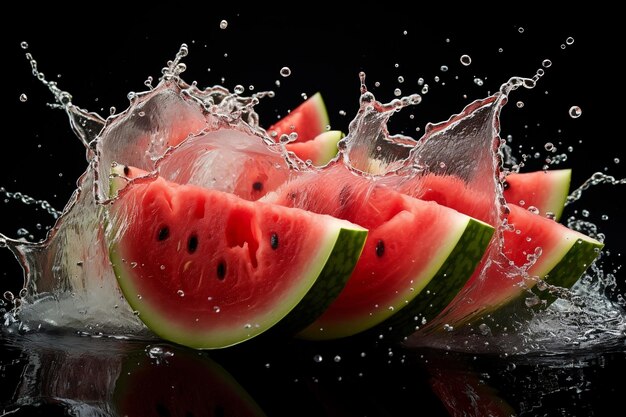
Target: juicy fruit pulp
{"points": [[207, 269], [307, 120], [417, 255]]}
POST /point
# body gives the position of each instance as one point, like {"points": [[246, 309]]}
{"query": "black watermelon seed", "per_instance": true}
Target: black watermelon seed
{"points": [[380, 248], [192, 243], [257, 186], [164, 233], [126, 170], [221, 270], [505, 184], [344, 195], [274, 240], [162, 410]]}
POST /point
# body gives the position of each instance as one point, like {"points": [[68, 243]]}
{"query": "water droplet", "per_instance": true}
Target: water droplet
{"points": [[466, 60], [500, 50], [532, 301], [484, 329], [180, 293], [447, 327], [425, 89], [520, 30], [478, 82], [546, 63], [139, 297], [549, 146], [533, 209], [23, 98], [563, 46], [604, 217], [317, 358], [585, 213], [616, 160], [285, 71], [519, 104], [162, 267], [8, 295], [569, 40], [239, 89], [405, 32], [216, 309], [342, 112], [223, 24], [337, 358], [24, 45], [397, 92], [575, 112], [400, 79], [444, 68], [420, 81], [390, 308]]}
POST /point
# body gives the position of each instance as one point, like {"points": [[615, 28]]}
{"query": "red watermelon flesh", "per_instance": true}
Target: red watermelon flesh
{"points": [[457, 164], [409, 241], [319, 150], [308, 120], [546, 191], [208, 269]]}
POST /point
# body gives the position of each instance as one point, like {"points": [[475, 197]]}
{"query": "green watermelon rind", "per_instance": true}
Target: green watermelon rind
{"points": [[561, 183], [561, 270], [328, 286], [457, 259], [330, 253], [444, 286]]}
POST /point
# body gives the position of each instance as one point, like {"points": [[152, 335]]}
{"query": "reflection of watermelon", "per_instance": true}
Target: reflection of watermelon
{"points": [[207, 269], [182, 384], [441, 248]]}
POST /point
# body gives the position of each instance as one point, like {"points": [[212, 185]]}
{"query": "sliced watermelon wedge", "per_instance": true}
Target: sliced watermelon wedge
{"points": [[545, 190], [206, 269], [417, 256], [534, 250], [319, 150], [308, 120]]}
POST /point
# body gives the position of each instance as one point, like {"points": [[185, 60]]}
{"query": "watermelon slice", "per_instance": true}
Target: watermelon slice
{"points": [[319, 150], [440, 246], [545, 190], [308, 120], [207, 269], [534, 250]]}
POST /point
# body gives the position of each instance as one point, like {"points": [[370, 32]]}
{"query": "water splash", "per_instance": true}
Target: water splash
{"points": [[69, 281]]}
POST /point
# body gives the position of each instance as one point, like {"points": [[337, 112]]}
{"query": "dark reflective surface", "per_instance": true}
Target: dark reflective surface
{"points": [[65, 374]]}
